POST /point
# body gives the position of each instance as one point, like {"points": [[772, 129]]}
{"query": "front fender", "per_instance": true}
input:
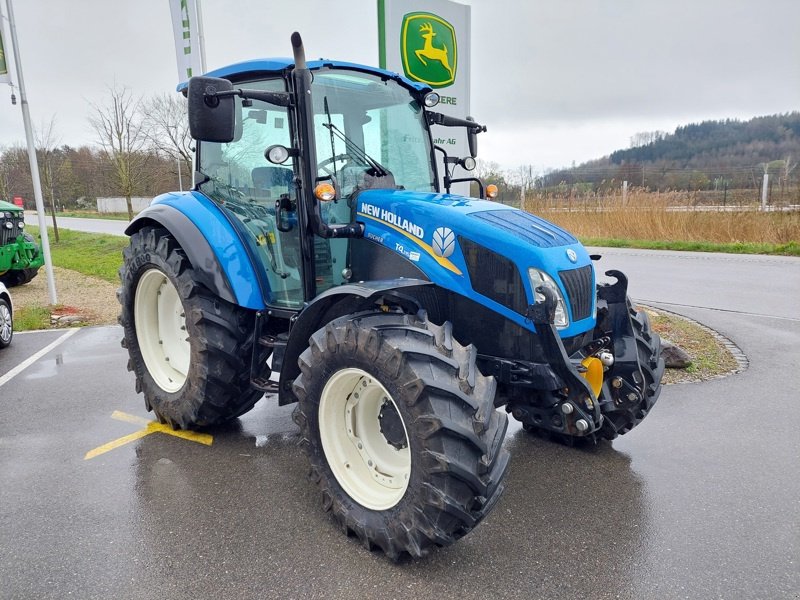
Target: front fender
{"points": [[210, 242], [333, 303]]}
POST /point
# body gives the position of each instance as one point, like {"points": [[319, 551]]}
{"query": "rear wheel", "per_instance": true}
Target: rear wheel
{"points": [[188, 348], [401, 431], [6, 324]]}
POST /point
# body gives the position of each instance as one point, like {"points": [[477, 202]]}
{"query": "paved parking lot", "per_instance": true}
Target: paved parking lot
{"points": [[700, 501]]}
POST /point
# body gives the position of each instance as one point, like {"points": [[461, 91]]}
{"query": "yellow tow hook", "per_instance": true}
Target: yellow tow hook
{"points": [[593, 374]]}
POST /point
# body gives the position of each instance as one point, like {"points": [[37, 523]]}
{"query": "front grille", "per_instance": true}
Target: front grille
{"points": [[7, 236], [580, 290], [494, 276]]}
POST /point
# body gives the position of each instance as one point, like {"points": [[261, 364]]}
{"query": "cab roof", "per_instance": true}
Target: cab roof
{"points": [[262, 66]]}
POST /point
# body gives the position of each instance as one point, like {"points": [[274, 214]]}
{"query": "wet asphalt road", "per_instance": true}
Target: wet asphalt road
{"points": [[702, 500]]}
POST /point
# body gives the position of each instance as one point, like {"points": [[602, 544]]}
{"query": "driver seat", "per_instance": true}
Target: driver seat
{"points": [[266, 179]]}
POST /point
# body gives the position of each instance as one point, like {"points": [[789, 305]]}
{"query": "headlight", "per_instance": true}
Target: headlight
{"points": [[9, 225], [540, 278]]}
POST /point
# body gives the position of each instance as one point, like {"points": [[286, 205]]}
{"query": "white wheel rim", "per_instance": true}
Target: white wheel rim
{"points": [[161, 330], [372, 471], [5, 324]]}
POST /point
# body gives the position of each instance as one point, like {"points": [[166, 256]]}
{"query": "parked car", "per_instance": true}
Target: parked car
{"points": [[6, 317]]}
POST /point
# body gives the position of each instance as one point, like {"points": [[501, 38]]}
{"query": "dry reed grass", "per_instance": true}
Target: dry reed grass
{"points": [[650, 216]]}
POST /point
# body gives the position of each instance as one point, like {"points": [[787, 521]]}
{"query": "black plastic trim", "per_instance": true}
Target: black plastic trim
{"points": [[208, 270]]}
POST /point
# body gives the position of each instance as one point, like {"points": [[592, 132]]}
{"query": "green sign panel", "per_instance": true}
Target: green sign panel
{"points": [[3, 66], [429, 49]]}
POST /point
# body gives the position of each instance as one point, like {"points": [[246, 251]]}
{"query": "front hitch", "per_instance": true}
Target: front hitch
{"points": [[573, 409], [633, 383]]}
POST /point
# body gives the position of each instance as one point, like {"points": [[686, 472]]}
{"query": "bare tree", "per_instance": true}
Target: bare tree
{"points": [[49, 164], [121, 133], [15, 175], [167, 127]]}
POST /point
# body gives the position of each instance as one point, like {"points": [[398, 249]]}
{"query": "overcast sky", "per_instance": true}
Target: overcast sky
{"points": [[556, 81]]}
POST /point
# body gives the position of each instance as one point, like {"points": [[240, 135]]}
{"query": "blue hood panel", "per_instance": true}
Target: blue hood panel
{"points": [[425, 228], [527, 227]]}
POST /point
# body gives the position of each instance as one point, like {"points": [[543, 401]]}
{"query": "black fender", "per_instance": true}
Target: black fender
{"points": [[332, 304], [207, 268]]}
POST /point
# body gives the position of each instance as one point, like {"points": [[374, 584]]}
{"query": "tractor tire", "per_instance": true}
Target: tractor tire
{"points": [[18, 277], [648, 344], [188, 348], [401, 431], [6, 324]]}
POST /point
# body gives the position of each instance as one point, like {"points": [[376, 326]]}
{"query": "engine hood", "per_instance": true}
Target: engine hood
{"points": [[429, 229]]}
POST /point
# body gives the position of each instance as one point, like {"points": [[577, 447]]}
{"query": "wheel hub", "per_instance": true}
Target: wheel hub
{"points": [[392, 426]]}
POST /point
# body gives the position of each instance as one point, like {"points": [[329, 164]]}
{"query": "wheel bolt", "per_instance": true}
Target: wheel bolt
{"points": [[581, 425], [567, 408]]}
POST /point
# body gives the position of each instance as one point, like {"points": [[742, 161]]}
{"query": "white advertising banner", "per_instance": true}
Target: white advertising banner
{"points": [[187, 38], [429, 41]]}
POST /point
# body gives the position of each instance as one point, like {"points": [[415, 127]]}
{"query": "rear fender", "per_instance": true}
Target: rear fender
{"points": [[213, 247]]}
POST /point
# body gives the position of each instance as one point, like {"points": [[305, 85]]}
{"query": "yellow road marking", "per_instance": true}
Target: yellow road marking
{"points": [[121, 416], [149, 427], [116, 443]]}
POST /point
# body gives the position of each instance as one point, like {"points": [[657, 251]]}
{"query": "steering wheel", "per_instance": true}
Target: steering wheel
{"points": [[323, 166]]}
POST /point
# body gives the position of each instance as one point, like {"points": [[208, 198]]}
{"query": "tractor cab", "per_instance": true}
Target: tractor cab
{"points": [[282, 161], [369, 132]]}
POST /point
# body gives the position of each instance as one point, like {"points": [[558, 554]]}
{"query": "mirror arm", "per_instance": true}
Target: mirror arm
{"points": [[482, 195], [435, 118], [276, 98]]}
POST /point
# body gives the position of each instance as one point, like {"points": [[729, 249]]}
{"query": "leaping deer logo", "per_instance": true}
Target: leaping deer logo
{"points": [[430, 51]]}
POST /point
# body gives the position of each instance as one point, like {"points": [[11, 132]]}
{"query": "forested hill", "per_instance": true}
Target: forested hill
{"points": [[727, 149]]}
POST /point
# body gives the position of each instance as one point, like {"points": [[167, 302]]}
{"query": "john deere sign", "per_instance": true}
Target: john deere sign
{"points": [[428, 41], [3, 67], [429, 49]]}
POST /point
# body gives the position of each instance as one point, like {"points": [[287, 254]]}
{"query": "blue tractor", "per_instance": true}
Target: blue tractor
{"points": [[318, 258]]}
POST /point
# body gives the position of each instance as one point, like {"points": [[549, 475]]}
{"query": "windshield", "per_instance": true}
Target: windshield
{"points": [[365, 127]]}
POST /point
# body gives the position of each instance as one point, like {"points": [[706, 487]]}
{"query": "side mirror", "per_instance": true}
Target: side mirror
{"points": [[472, 139], [211, 114]]}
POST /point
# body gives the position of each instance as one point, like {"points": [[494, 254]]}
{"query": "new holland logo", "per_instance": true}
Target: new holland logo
{"points": [[429, 49], [444, 242]]}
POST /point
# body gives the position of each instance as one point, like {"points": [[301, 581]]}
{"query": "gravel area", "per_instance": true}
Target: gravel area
{"points": [[93, 299]]}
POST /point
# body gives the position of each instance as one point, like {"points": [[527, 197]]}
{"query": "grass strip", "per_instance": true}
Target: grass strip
{"points": [[95, 254], [27, 318], [788, 249]]}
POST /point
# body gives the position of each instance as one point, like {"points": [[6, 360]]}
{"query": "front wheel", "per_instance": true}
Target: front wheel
{"points": [[188, 348], [6, 324], [401, 431]]}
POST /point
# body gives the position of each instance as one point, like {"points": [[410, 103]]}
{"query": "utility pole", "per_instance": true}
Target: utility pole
{"points": [[37, 184], [201, 38]]}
